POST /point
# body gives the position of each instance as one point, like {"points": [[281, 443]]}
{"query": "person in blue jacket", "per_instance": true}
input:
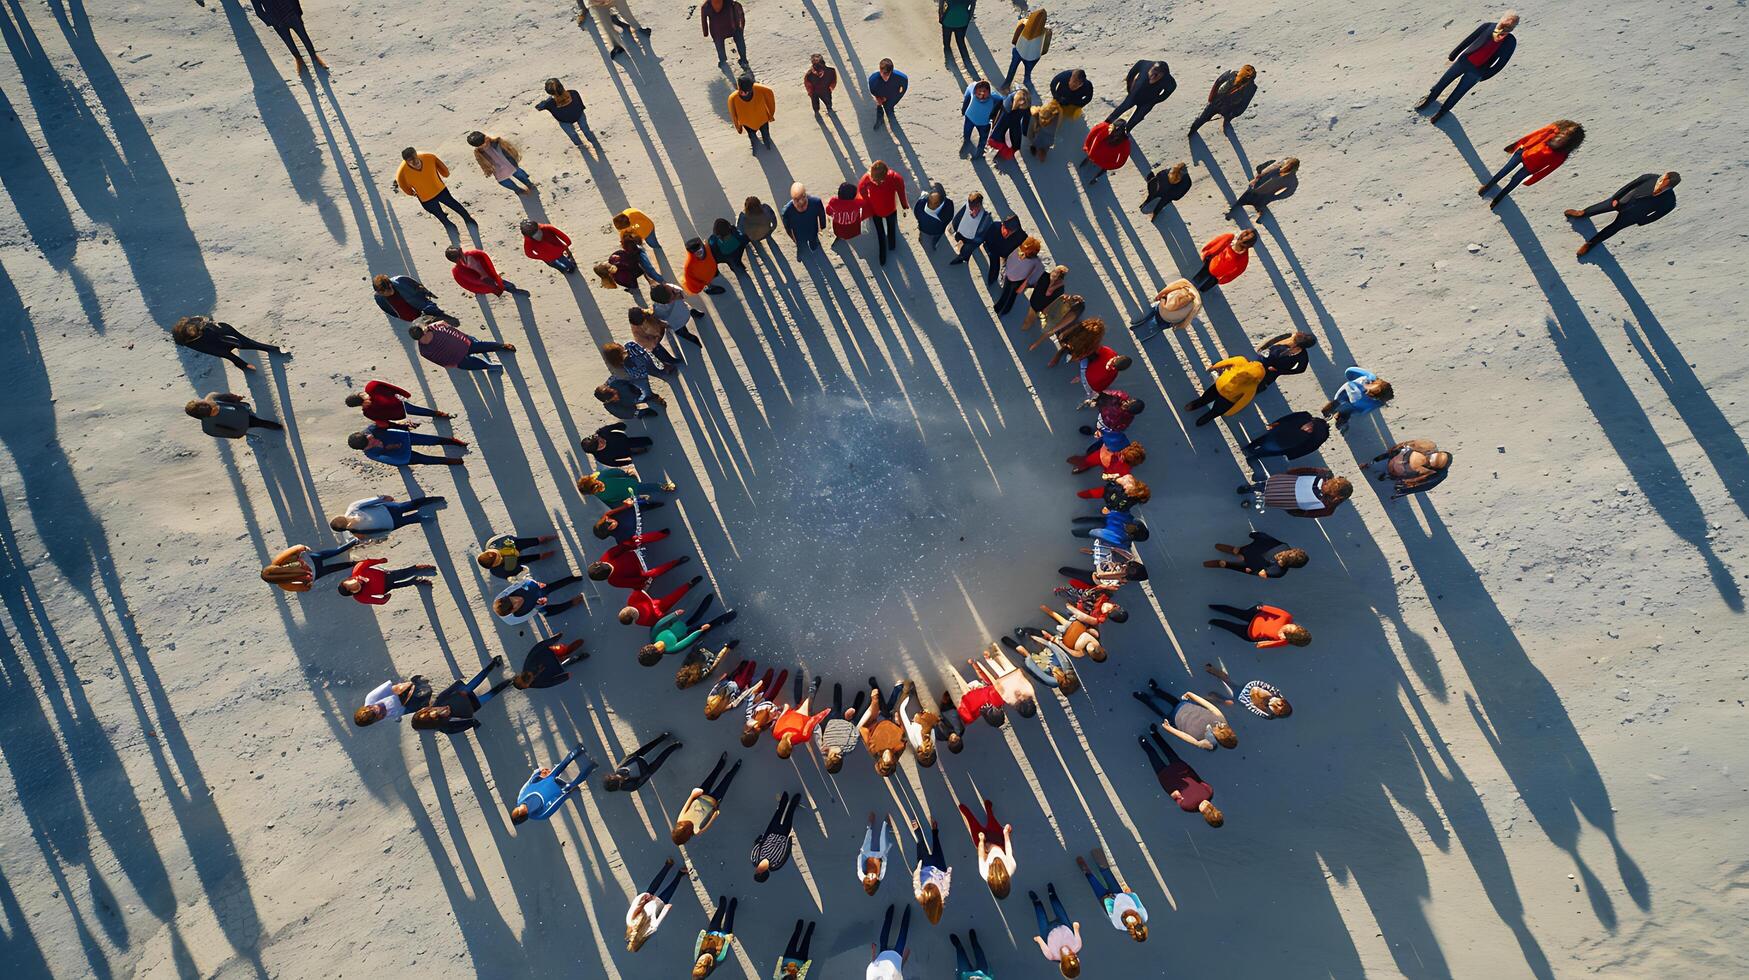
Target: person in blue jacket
{"points": [[406, 298], [1478, 57], [395, 446], [933, 211], [545, 792], [980, 108], [887, 86], [804, 217]]}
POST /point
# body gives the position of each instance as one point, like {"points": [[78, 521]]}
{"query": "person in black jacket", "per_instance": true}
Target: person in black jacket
{"points": [[1073, 91], [1148, 84], [286, 16], [1229, 97], [1166, 186], [610, 446], [1476, 58], [1293, 435], [1640, 201], [933, 211], [206, 336], [452, 712]]}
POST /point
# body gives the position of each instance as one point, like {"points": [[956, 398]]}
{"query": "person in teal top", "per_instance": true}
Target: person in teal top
{"points": [[965, 970], [545, 792], [669, 635], [955, 16], [614, 486], [729, 245]]}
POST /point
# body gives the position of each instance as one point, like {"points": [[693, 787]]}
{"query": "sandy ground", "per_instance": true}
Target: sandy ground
{"points": [[1516, 731]]}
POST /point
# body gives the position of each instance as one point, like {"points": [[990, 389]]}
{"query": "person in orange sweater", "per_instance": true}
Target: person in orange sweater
{"points": [[1263, 625], [1224, 257], [699, 273], [882, 190], [1236, 382], [475, 272], [421, 176], [796, 726], [1535, 155], [1107, 147], [752, 107], [548, 244]]}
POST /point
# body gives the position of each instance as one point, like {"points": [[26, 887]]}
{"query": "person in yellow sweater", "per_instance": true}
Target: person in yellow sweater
{"points": [[421, 176], [752, 107], [1236, 381], [639, 224]]}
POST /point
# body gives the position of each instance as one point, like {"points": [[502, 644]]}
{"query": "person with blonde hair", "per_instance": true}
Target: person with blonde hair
{"points": [[1175, 305], [297, 568], [1057, 938], [1047, 661], [1012, 123], [1019, 271], [1274, 180], [1180, 782], [702, 806], [871, 861], [1045, 293], [204, 335], [995, 843], [1191, 717], [1123, 907], [1235, 384], [712, 946], [1261, 698], [615, 485], [1229, 97], [1362, 391], [1264, 557], [1478, 57], [931, 879], [1078, 340], [1166, 187], [1031, 41], [1045, 121], [651, 906]]}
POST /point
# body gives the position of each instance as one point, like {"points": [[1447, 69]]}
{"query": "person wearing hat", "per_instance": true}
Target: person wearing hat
{"points": [[752, 107]]}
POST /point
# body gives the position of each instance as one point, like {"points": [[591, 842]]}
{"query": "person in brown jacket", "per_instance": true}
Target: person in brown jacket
{"points": [[881, 734], [500, 160], [722, 20], [297, 568]]}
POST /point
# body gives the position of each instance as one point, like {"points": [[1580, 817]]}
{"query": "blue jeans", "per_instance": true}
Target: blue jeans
{"points": [[1108, 887], [983, 134], [319, 559], [521, 175], [1147, 324], [1015, 61], [1466, 76], [1516, 163], [571, 130], [472, 363], [1061, 918]]}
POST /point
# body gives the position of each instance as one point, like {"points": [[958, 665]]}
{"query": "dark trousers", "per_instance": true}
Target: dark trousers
{"points": [[785, 817], [554, 608], [1513, 163], [755, 135], [401, 577], [1010, 291], [799, 941], [740, 48], [967, 246], [1204, 280], [820, 99], [407, 512], [887, 927], [1160, 764], [1217, 405], [257, 422], [884, 113], [995, 262], [1609, 230], [1240, 630], [666, 892], [717, 790], [234, 339], [1460, 71], [319, 565], [1209, 112], [1142, 110], [285, 34], [965, 964], [444, 199], [1058, 916], [723, 919], [957, 34], [886, 229]]}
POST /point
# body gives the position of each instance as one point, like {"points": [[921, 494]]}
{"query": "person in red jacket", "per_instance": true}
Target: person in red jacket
{"points": [[699, 273], [1535, 155], [882, 190], [1107, 147], [1224, 257], [547, 244], [475, 272], [623, 568], [981, 701], [371, 585], [1099, 371], [644, 609], [386, 404]]}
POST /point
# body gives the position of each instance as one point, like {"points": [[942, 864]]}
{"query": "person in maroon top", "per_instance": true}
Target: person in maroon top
{"points": [[1186, 788], [548, 244], [882, 190], [371, 585], [644, 609], [819, 82], [1099, 371], [722, 20], [1116, 411], [475, 272], [1107, 147], [405, 298], [386, 404], [621, 567]]}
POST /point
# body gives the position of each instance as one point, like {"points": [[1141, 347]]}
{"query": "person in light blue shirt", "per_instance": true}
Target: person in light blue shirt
{"points": [[980, 108], [545, 792], [1363, 392]]}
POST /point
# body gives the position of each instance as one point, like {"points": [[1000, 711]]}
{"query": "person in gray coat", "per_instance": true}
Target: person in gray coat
{"points": [[226, 416], [1229, 97], [1640, 201], [1476, 58], [1276, 180]]}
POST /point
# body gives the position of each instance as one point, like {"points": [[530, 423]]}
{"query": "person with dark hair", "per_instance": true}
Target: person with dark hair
{"points": [[1535, 155], [979, 107], [644, 609], [771, 848], [392, 700], [622, 566], [475, 272], [1236, 382], [752, 106], [1293, 435], [712, 946], [204, 335], [387, 405], [610, 446], [669, 635], [838, 734], [624, 400], [609, 14], [756, 222], [700, 271], [728, 245], [795, 962], [420, 176], [980, 700], [634, 770], [1416, 466], [545, 790], [668, 306], [501, 160], [1361, 392], [973, 967], [1304, 491], [1478, 57], [1148, 84], [529, 596], [1179, 780], [1274, 180], [545, 243], [882, 191], [452, 711], [1166, 186], [1073, 91], [722, 20], [933, 213], [394, 447], [609, 525], [442, 343], [545, 663], [1285, 354], [381, 514], [886, 86], [820, 80], [1002, 242], [566, 108], [1224, 258], [1107, 147], [887, 960], [1261, 625], [616, 484], [1229, 97], [1115, 528], [1058, 939], [405, 298], [1264, 557], [702, 806], [972, 226], [955, 16], [1030, 43], [1640, 201], [504, 555], [224, 415], [286, 17]]}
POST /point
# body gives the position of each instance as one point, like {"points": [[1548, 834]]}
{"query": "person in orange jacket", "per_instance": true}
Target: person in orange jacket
{"points": [[752, 107], [796, 726], [1107, 147], [1266, 626], [1224, 257], [1535, 155], [1236, 382], [475, 272], [548, 244], [699, 273]]}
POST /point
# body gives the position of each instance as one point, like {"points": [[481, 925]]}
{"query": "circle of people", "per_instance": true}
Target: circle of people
{"points": [[886, 723]]}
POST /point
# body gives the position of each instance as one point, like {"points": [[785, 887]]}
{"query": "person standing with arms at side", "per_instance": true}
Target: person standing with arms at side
{"points": [[566, 108], [887, 86], [1275, 180], [795, 962], [609, 14], [203, 335], [544, 243], [1003, 240], [1148, 84], [1072, 91], [405, 298], [1293, 435], [371, 585], [1229, 97], [1019, 272], [752, 107], [1122, 905], [1057, 938], [971, 227], [443, 344], [756, 221], [1045, 120], [979, 107], [804, 217], [1224, 258], [882, 190], [1166, 187], [973, 967], [712, 945], [887, 962], [771, 849], [1179, 780], [955, 16], [1477, 58], [500, 160], [819, 82], [475, 272], [722, 20], [651, 906], [933, 213], [1640, 201], [227, 416], [1032, 39], [287, 17], [381, 514], [728, 245], [1107, 147], [421, 177]]}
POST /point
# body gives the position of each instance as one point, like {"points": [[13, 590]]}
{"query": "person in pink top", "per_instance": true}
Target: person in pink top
{"points": [[882, 190], [475, 272]]}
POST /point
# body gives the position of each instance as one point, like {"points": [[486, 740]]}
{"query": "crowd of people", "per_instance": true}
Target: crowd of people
{"points": [[897, 717]]}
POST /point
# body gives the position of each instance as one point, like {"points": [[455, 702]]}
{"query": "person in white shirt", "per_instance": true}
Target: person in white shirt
{"points": [[919, 726], [871, 862], [647, 912], [1008, 680], [1125, 910], [887, 962], [380, 515], [932, 878], [995, 841]]}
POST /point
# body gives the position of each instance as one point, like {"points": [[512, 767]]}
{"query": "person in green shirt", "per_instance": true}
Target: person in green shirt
{"points": [[669, 635], [955, 16], [614, 486]]}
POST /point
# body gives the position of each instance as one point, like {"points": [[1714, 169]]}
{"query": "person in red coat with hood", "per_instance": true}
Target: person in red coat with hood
{"points": [[882, 190], [475, 272], [1107, 147]]}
